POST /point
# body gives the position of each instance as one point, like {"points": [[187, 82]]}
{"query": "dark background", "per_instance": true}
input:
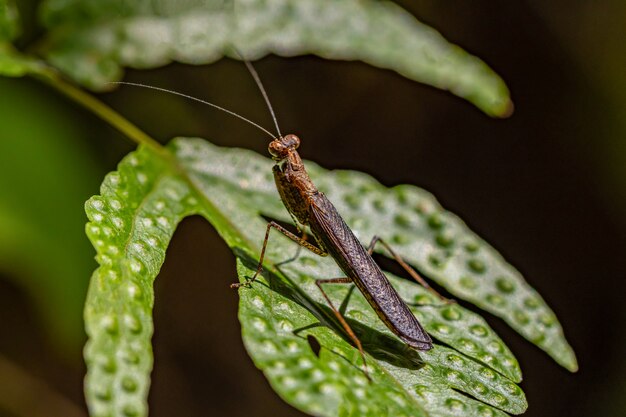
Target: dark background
{"points": [[546, 187]]}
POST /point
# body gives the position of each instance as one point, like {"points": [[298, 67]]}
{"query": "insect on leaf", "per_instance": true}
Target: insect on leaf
{"points": [[283, 316]]}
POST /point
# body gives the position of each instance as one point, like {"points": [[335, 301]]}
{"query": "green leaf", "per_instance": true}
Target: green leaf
{"points": [[436, 241], [275, 330], [92, 40], [14, 64], [9, 21], [131, 223]]}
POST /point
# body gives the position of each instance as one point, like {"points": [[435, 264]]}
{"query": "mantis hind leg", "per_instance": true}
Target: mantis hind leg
{"points": [[340, 317]]}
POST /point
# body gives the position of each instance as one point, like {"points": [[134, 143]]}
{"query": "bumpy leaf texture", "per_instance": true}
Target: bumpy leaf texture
{"points": [[469, 372], [92, 40]]}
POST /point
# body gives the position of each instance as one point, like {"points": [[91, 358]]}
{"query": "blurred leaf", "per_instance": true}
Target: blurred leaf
{"points": [[9, 21], [131, 223], [14, 64], [91, 40], [45, 174]]}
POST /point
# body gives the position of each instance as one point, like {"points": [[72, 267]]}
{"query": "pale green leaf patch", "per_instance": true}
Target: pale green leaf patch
{"points": [[14, 64]]}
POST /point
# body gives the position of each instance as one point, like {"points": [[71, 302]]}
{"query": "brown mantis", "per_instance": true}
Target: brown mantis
{"points": [[310, 207]]}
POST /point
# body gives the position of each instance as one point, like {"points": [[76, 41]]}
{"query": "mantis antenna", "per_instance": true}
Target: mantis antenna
{"points": [[232, 113], [259, 84]]}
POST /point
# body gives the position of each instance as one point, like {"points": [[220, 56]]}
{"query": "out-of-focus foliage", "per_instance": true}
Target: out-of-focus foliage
{"points": [[12, 64], [598, 49], [597, 46], [92, 40], [9, 21], [45, 173]]}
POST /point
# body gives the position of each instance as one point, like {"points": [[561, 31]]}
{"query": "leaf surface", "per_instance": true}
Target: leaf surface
{"points": [[14, 64], [93, 40], [432, 239], [471, 371]]}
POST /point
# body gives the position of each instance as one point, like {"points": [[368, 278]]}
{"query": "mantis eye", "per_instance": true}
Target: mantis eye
{"points": [[276, 148], [291, 141]]}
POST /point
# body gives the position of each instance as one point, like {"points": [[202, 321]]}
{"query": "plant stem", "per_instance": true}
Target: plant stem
{"points": [[100, 109]]}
